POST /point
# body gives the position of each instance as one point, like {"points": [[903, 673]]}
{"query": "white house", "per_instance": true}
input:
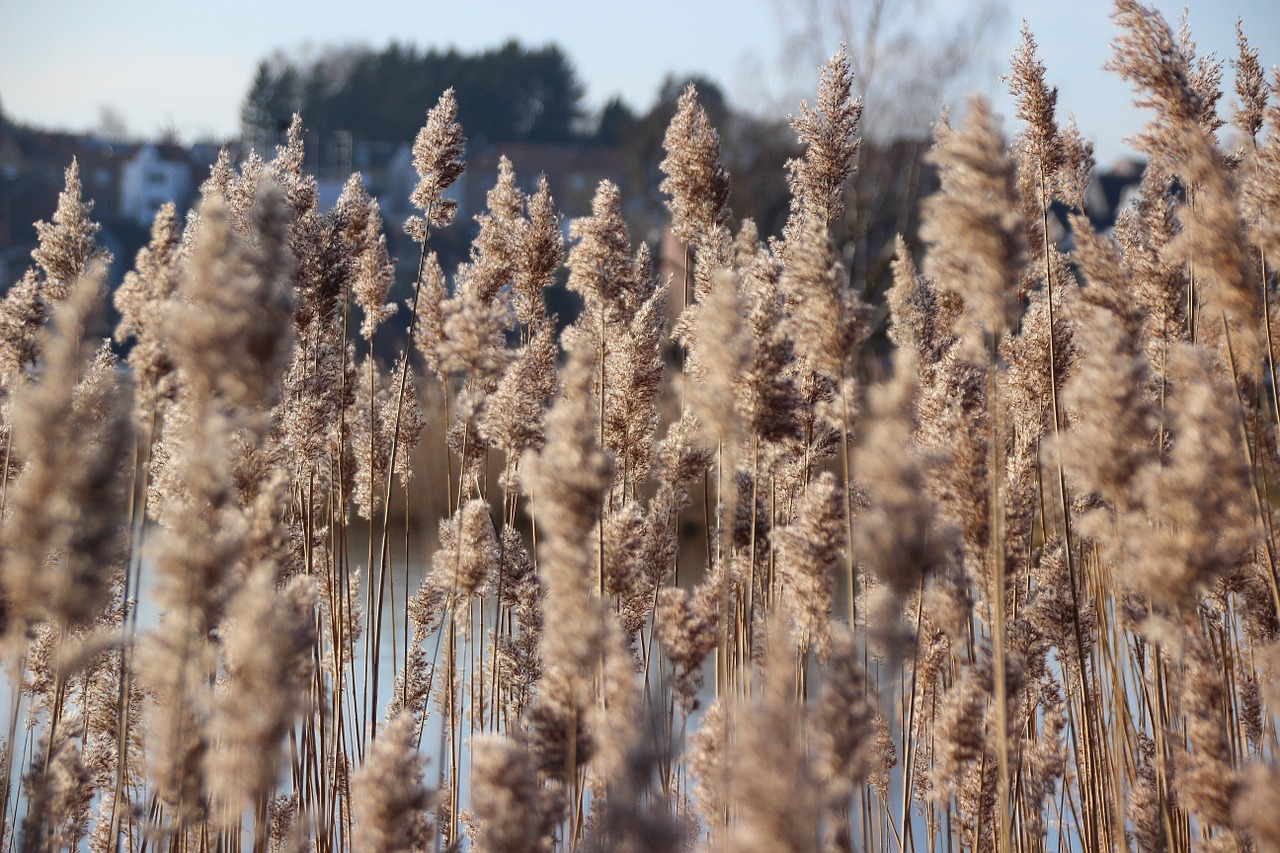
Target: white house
{"points": [[151, 178]]}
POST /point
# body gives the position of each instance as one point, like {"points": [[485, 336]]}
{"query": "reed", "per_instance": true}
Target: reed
{"points": [[1012, 587]]}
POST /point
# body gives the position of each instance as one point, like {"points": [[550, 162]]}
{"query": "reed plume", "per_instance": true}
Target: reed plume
{"points": [[514, 811], [437, 157], [66, 246], [695, 179], [829, 132], [391, 802], [62, 532], [972, 226], [1043, 467]]}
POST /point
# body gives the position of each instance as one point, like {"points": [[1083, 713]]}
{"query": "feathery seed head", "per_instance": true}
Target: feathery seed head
{"points": [[437, 157], [810, 551], [971, 223], [389, 799], [827, 317], [1036, 105], [1251, 88], [236, 290], [696, 182], [468, 555], [373, 271], [829, 133], [66, 246], [540, 254], [600, 265]]}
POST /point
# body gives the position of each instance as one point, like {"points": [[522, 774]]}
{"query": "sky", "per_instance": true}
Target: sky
{"points": [[187, 66]]}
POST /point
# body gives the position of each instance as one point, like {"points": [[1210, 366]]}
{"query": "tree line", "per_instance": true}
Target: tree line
{"points": [[515, 93], [507, 93]]}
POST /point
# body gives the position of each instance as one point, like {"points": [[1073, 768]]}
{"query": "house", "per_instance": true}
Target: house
{"points": [[154, 175]]}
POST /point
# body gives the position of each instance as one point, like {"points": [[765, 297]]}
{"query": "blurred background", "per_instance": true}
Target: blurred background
{"points": [[145, 94]]}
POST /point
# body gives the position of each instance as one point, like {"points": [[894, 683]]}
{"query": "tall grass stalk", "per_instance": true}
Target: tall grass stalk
{"points": [[1052, 518]]}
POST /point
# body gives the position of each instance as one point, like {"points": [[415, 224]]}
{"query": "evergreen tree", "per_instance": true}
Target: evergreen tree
{"points": [[509, 93]]}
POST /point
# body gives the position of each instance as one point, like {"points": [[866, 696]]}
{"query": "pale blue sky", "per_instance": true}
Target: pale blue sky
{"points": [[189, 64]]}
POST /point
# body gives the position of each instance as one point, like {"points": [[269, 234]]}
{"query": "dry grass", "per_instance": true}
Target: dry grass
{"points": [[1020, 595]]}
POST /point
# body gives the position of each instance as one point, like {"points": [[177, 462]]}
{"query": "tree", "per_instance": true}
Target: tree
{"points": [[551, 97], [903, 71], [508, 93], [111, 124], [273, 97], [617, 122]]}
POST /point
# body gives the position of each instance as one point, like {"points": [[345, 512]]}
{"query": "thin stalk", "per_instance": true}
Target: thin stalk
{"points": [[600, 522], [128, 619], [1068, 549], [376, 639], [908, 749], [751, 583], [404, 625], [1248, 452], [848, 508], [6, 766], [996, 539]]}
